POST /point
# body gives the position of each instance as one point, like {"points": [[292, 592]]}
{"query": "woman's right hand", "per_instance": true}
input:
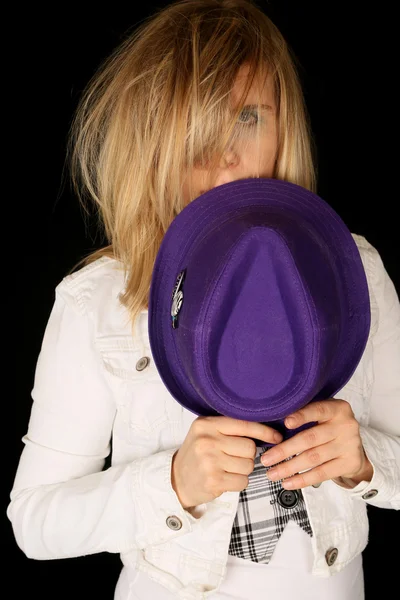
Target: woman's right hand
{"points": [[216, 456]]}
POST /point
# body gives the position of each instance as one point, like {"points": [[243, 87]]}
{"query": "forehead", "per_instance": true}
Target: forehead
{"points": [[261, 90]]}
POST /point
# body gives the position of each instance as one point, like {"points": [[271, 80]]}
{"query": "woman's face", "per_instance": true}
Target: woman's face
{"points": [[245, 157]]}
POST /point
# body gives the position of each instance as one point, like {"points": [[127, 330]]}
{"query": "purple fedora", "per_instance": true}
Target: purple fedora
{"points": [[258, 303]]}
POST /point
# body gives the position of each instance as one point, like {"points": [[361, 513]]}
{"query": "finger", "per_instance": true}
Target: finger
{"points": [[232, 482], [321, 411], [328, 470], [251, 429], [310, 438], [242, 447], [309, 459], [234, 464]]}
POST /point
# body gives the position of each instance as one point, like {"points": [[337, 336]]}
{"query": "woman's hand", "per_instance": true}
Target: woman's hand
{"points": [[332, 449], [216, 456]]}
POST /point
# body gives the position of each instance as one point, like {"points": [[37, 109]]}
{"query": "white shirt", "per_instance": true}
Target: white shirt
{"points": [[287, 576], [87, 389]]}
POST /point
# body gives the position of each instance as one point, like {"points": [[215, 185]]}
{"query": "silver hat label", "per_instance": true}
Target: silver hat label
{"points": [[177, 298]]}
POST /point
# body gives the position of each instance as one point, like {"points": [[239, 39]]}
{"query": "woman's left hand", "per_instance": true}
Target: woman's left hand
{"points": [[331, 449]]}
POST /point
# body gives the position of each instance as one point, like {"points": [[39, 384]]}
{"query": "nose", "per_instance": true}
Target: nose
{"points": [[228, 163], [229, 159]]}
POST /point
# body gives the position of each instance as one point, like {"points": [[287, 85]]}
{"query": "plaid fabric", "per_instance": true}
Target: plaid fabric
{"points": [[260, 519]]}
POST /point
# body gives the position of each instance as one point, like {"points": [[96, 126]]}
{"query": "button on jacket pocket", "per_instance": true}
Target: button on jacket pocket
{"points": [[142, 363]]}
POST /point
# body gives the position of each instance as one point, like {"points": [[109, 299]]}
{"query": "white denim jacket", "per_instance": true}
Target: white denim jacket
{"points": [[91, 384]]}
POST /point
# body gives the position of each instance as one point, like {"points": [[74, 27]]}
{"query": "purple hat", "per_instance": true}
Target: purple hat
{"points": [[259, 302]]}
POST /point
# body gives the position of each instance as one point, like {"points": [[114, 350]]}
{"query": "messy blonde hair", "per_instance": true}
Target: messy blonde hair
{"points": [[160, 105]]}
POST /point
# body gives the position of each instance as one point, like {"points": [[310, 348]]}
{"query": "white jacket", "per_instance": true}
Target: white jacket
{"points": [[87, 388]]}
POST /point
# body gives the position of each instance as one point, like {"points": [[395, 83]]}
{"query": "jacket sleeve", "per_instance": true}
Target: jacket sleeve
{"points": [[63, 502], [381, 438]]}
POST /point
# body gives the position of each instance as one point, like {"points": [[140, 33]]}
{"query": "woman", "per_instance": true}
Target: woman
{"points": [[201, 94]]}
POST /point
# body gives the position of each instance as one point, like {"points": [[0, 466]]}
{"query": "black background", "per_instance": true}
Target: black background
{"points": [[348, 70]]}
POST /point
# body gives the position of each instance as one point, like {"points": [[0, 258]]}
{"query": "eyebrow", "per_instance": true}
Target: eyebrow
{"points": [[262, 106]]}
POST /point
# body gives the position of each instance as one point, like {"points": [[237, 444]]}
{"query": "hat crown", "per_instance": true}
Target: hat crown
{"points": [[256, 326]]}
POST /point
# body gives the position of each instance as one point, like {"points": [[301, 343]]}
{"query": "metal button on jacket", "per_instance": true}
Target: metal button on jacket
{"points": [[142, 363], [288, 498], [331, 555], [174, 523], [369, 494]]}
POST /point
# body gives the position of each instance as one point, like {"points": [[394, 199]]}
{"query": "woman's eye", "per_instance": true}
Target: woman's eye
{"points": [[248, 117]]}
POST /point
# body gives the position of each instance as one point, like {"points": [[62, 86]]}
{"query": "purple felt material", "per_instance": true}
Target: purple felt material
{"points": [[275, 310]]}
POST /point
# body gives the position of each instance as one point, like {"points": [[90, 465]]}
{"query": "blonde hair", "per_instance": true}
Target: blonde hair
{"points": [[160, 105]]}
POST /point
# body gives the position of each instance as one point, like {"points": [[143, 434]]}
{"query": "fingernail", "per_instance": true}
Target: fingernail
{"points": [[272, 473], [278, 436], [290, 421], [267, 459], [288, 485]]}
